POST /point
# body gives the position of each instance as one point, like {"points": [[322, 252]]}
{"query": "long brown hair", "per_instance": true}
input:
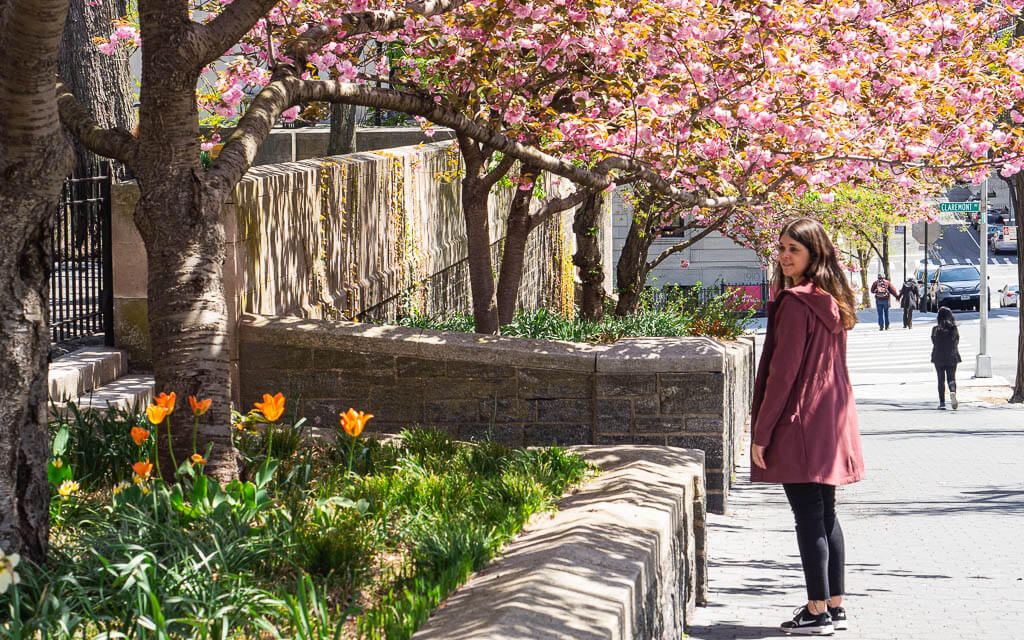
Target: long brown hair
{"points": [[822, 269]]}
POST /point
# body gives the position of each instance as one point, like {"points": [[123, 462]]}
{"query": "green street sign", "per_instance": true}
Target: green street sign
{"points": [[960, 207]]}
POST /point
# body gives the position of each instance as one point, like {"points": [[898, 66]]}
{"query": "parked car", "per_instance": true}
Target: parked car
{"points": [[1009, 296], [956, 287], [994, 230], [1000, 242], [919, 276]]}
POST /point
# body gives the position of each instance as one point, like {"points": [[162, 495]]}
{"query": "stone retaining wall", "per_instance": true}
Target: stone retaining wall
{"points": [[622, 559], [683, 392]]}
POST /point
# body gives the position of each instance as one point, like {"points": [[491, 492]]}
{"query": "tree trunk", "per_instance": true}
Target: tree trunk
{"points": [[102, 83], [885, 254], [588, 257], [517, 232], [864, 258], [475, 196], [1017, 201], [35, 157], [179, 218], [631, 270], [343, 130]]}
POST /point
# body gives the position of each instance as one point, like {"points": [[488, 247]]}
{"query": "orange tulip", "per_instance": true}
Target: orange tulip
{"points": [[353, 421], [166, 401], [198, 459], [139, 435], [143, 469], [156, 414], [271, 407], [199, 407]]}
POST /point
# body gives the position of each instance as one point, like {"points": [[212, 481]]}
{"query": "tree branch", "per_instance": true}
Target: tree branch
{"points": [[366, 22], [220, 34], [676, 248], [499, 172], [111, 143], [286, 89]]}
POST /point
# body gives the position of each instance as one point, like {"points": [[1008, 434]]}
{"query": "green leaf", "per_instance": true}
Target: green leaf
{"points": [[57, 475], [60, 441]]}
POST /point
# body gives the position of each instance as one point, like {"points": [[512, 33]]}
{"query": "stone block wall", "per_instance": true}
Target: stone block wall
{"points": [[683, 392]]}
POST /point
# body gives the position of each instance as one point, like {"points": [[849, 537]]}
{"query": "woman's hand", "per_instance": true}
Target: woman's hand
{"points": [[757, 456]]}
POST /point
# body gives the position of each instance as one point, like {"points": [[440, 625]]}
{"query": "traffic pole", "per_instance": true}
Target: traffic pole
{"points": [[983, 363]]}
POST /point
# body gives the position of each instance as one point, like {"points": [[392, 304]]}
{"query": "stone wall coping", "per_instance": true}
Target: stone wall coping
{"points": [[582, 572], [662, 355], [626, 356], [422, 343]]}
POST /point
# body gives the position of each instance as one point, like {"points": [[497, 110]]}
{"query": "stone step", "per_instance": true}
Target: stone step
{"points": [[128, 391], [81, 371]]}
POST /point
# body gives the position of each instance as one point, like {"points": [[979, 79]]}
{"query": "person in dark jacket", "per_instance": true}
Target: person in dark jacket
{"points": [[909, 298], [946, 355], [803, 421], [882, 289]]}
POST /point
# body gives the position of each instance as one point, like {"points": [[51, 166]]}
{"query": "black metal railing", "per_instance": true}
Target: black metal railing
{"points": [[81, 279]]}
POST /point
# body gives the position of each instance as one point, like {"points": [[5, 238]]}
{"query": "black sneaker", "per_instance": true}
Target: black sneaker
{"points": [[805, 623], [941, 407], [838, 618]]}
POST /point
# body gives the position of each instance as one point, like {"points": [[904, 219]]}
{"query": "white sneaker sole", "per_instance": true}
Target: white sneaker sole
{"points": [[840, 626], [810, 631]]}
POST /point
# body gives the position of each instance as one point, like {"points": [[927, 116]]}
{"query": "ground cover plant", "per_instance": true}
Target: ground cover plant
{"points": [[335, 537], [675, 311]]}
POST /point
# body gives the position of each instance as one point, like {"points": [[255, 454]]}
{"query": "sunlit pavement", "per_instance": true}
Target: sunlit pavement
{"points": [[931, 533]]}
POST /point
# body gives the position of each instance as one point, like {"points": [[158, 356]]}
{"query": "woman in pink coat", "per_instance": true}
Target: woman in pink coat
{"points": [[804, 422]]}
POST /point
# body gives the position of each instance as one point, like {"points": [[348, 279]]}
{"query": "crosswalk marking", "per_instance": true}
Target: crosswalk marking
{"points": [[871, 353]]}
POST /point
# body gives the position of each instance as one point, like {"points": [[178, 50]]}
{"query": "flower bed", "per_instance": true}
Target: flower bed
{"points": [[341, 537]]}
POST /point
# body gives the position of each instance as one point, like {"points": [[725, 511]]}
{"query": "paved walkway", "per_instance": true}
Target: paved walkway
{"points": [[934, 534]]}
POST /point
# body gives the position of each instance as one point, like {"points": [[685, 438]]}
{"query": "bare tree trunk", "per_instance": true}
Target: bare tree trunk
{"points": [[179, 218], [35, 157], [517, 232], [631, 270], [343, 130], [863, 258], [885, 254], [1017, 201], [588, 257], [102, 83], [475, 195]]}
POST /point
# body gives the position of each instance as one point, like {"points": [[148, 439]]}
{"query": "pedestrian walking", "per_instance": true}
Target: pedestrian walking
{"points": [[882, 289], [805, 434], [946, 355], [909, 298]]}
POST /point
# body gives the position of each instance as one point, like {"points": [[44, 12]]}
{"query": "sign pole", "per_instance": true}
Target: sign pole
{"points": [[983, 363], [904, 253]]}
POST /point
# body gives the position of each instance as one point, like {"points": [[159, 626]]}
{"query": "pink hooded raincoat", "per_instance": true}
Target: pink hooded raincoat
{"points": [[803, 409]]}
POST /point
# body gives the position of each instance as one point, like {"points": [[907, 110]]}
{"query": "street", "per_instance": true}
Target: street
{"points": [[958, 244]]}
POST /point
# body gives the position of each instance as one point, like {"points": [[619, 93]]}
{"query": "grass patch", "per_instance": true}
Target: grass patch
{"points": [[677, 312], [301, 547]]}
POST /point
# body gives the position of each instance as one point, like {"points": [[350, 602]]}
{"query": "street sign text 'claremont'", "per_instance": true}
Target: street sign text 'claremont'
{"points": [[960, 207]]}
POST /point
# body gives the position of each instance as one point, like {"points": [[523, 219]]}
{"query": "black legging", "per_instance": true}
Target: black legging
{"points": [[819, 537], [908, 316], [947, 376]]}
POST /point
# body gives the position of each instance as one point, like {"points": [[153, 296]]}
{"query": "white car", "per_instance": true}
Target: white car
{"points": [[1009, 296], [1001, 243]]}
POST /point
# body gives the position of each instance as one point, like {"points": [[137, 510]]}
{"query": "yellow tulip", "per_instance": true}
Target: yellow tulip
{"points": [[156, 413]]}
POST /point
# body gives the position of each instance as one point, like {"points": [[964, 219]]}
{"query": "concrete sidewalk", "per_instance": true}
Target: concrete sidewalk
{"points": [[932, 534]]}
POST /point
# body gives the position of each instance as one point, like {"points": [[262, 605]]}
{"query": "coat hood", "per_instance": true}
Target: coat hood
{"points": [[819, 302]]}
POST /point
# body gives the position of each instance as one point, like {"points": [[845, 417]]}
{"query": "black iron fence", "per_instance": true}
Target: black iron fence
{"points": [[81, 280]]}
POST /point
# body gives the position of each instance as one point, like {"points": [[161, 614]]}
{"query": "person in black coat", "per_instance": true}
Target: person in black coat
{"points": [[946, 355], [909, 298]]}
